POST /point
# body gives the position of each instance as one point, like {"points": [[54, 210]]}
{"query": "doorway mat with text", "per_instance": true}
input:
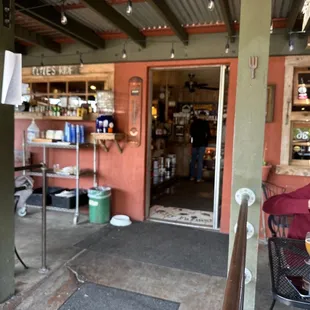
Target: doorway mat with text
{"points": [[180, 215], [97, 297]]}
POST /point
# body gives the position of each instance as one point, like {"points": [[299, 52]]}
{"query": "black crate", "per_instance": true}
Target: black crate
{"points": [[69, 203], [35, 198]]}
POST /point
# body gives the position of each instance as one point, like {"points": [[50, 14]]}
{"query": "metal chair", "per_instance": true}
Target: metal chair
{"points": [[286, 258]]}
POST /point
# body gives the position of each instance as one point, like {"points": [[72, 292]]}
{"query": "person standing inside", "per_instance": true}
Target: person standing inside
{"points": [[200, 133]]}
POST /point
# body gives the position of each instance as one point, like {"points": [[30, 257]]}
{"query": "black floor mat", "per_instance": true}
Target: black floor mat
{"points": [[97, 297], [164, 245]]}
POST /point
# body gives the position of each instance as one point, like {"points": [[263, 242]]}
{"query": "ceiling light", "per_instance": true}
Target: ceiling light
{"points": [[291, 44], [81, 61], [227, 46], [172, 54], [124, 53], [129, 7], [63, 18], [92, 87], [211, 5], [271, 27], [42, 60]]}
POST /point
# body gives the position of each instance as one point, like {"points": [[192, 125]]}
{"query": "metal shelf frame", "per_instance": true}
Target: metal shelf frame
{"points": [[51, 174]]}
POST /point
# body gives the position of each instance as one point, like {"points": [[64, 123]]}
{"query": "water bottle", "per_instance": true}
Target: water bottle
{"points": [[73, 134], [33, 131]]}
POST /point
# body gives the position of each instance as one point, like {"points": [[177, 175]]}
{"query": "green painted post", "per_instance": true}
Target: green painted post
{"points": [[250, 123], [7, 285]]}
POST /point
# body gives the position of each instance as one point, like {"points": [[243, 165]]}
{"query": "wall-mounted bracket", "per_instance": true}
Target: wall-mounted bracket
{"points": [[101, 138], [245, 192]]}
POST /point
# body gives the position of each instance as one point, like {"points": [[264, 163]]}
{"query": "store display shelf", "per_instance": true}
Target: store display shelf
{"points": [[56, 145], [299, 143], [103, 137], [41, 116], [51, 174]]}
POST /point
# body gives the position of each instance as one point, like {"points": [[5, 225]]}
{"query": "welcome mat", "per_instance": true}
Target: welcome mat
{"points": [[179, 215], [98, 297]]}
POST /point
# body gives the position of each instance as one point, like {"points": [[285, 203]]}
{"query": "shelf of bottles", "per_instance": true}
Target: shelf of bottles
{"points": [[73, 100]]}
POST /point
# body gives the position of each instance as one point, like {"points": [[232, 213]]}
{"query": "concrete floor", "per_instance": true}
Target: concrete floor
{"points": [[71, 266]]}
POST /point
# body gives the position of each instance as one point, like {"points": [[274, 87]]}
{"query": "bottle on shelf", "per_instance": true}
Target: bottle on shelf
{"points": [[33, 131]]}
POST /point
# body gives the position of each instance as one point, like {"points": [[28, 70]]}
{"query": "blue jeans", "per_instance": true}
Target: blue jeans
{"points": [[197, 152]]}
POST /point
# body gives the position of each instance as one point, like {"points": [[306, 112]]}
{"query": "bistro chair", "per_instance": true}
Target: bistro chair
{"points": [[286, 258]]}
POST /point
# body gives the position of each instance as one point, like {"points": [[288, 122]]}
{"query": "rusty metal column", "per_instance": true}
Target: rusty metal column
{"points": [[254, 41], [7, 285]]}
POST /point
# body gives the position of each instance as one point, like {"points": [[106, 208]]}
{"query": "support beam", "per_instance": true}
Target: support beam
{"points": [[117, 19], [227, 19], [164, 10], [26, 35], [7, 261], [21, 49], [294, 13], [249, 126], [51, 17]]}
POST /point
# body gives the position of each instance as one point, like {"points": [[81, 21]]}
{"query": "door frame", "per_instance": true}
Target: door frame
{"points": [[217, 178]]}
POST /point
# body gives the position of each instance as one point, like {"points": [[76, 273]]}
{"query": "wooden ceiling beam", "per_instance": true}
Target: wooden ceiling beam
{"points": [[294, 13], [117, 19], [25, 35], [227, 19], [51, 17], [164, 10]]}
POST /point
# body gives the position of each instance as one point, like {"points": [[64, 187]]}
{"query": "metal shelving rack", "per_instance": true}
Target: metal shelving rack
{"points": [[51, 174]]}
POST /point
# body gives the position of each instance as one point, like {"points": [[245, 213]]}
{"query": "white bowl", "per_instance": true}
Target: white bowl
{"points": [[120, 220]]}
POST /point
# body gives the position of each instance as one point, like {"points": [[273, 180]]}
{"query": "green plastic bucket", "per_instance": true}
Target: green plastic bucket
{"points": [[99, 204]]}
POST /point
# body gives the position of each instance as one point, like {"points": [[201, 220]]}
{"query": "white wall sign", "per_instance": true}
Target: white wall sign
{"points": [[55, 70]]}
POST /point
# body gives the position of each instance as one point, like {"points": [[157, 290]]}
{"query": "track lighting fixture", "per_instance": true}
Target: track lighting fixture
{"points": [[271, 27], [42, 60], [124, 53], [129, 7], [211, 5]]}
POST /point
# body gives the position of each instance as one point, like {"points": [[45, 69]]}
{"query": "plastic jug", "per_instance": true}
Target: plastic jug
{"points": [[33, 131]]}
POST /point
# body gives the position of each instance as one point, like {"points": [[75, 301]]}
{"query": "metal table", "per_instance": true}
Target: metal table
{"points": [[287, 258]]}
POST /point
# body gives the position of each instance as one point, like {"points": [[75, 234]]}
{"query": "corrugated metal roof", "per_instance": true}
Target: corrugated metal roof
{"points": [[143, 16], [92, 19], [280, 8], [34, 25], [67, 2]]}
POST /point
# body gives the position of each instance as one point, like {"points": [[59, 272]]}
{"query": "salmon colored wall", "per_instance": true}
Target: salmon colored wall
{"points": [[125, 173]]}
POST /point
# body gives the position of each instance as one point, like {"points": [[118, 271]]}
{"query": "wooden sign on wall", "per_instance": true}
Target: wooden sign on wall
{"points": [[135, 107], [55, 70]]}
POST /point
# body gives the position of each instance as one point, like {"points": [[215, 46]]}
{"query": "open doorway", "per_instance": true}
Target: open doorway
{"points": [[178, 97]]}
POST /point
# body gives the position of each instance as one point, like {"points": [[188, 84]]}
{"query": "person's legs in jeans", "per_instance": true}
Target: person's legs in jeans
{"points": [[193, 162], [201, 154]]}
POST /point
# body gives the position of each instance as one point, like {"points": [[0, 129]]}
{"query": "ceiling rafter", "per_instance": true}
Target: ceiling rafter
{"points": [[51, 17], [294, 13], [117, 19], [227, 18], [164, 10], [28, 36]]}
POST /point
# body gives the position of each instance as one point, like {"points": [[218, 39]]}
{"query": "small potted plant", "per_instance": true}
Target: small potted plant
{"points": [[265, 171]]}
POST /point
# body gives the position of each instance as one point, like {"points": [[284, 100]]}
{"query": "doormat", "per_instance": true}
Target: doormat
{"points": [[97, 297], [179, 215], [171, 246]]}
